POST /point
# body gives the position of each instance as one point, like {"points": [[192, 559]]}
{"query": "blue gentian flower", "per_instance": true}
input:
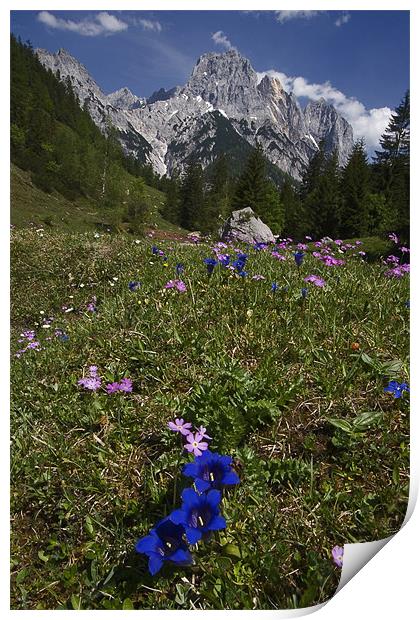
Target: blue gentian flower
{"points": [[199, 514], [224, 260], [299, 258], [211, 471], [396, 389], [179, 269], [133, 286], [63, 337], [242, 273], [210, 263], [164, 543], [259, 246], [304, 292], [155, 250], [239, 263], [274, 287], [407, 304]]}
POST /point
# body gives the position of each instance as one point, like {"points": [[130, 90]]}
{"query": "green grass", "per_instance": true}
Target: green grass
{"points": [[31, 204], [321, 450]]}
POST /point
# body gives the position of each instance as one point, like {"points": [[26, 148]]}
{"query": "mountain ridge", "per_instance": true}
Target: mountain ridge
{"points": [[163, 129]]}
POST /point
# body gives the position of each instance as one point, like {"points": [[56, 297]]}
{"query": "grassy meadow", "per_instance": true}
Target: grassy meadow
{"points": [[291, 387]]}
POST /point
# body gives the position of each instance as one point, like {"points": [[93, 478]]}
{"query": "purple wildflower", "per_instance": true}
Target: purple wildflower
{"points": [[179, 426], [338, 555], [178, 284], [90, 383], [195, 445], [202, 430], [126, 385], [91, 307], [393, 237], [316, 280], [111, 388]]}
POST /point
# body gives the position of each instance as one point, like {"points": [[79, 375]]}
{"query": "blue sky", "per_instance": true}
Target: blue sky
{"points": [[358, 60]]}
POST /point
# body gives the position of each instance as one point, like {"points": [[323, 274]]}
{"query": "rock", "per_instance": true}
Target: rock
{"points": [[245, 226]]}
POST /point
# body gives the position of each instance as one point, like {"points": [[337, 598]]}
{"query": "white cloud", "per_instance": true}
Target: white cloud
{"points": [[149, 24], [221, 39], [367, 124], [285, 16], [343, 19], [101, 23]]}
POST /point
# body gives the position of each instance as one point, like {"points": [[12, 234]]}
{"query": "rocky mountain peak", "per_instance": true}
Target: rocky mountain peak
{"points": [[125, 99], [325, 123], [271, 87], [226, 80]]}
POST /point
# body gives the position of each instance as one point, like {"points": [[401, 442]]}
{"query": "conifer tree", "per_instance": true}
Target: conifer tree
{"points": [[217, 199], [171, 211], [355, 189], [192, 201], [392, 166], [254, 189], [295, 217]]}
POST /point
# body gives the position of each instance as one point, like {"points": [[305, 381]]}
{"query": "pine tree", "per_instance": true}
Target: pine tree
{"points": [[272, 212], [217, 199], [328, 214], [392, 166], [320, 194], [296, 223], [355, 189], [254, 189], [192, 200], [170, 209]]}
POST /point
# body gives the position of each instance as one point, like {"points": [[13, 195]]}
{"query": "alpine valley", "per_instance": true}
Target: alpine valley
{"points": [[223, 108]]}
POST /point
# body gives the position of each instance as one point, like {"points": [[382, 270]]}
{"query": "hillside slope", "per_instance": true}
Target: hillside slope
{"points": [[29, 204]]}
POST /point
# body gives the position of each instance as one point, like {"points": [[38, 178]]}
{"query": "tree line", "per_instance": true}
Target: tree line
{"points": [[359, 199]]}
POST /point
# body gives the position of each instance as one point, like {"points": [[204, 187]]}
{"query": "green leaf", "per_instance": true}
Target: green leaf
{"points": [[88, 525], [392, 368], [366, 419], [42, 556], [21, 575], [343, 425], [128, 604], [234, 550], [367, 359], [76, 601]]}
